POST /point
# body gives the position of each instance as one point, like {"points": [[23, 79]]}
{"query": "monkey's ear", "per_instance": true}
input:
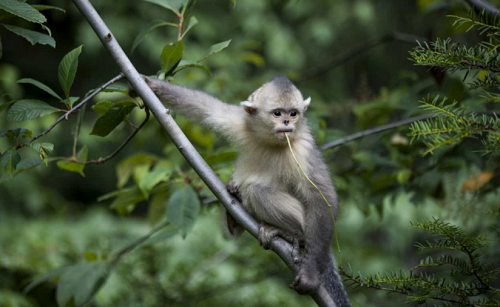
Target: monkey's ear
{"points": [[249, 107], [306, 103]]}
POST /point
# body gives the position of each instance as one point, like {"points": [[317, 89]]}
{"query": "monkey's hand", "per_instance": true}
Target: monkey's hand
{"points": [[233, 189], [307, 280]]}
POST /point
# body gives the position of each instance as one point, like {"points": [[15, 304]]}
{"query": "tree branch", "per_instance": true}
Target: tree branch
{"points": [[78, 106], [483, 5], [357, 50], [281, 247], [117, 150], [391, 126], [127, 249], [375, 130]]}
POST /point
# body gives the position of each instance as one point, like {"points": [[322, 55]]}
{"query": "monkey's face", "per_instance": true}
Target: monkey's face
{"points": [[276, 109], [284, 121]]}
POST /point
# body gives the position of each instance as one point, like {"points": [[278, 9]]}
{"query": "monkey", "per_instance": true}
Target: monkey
{"points": [[266, 178]]}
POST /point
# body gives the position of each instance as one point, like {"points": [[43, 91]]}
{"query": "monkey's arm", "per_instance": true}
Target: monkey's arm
{"points": [[201, 107]]}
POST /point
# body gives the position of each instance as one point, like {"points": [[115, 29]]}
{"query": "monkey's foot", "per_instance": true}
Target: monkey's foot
{"points": [[233, 189], [306, 281], [268, 232]]}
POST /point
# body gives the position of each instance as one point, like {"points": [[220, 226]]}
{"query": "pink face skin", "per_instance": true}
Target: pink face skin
{"points": [[284, 121]]}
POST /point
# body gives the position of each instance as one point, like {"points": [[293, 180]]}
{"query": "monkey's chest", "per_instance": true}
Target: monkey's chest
{"points": [[277, 172]]}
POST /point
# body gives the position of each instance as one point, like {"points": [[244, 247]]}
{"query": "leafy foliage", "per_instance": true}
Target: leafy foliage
{"points": [[453, 123], [471, 277]]}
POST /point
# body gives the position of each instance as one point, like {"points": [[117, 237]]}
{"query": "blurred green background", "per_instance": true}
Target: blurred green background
{"points": [[350, 56]]}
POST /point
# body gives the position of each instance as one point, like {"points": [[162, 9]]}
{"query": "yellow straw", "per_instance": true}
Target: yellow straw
{"points": [[316, 187]]}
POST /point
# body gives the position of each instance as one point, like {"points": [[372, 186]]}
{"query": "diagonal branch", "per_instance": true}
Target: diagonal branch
{"points": [[281, 247], [78, 106]]}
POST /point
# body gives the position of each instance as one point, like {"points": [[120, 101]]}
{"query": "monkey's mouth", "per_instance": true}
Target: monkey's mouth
{"points": [[281, 132]]}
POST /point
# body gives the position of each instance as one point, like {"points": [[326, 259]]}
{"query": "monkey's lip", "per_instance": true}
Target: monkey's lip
{"points": [[281, 132]]}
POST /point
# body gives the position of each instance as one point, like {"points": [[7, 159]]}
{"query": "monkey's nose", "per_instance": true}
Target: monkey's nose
{"points": [[286, 122]]}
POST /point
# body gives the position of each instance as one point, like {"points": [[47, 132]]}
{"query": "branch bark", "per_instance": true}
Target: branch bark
{"points": [[483, 5], [281, 247]]}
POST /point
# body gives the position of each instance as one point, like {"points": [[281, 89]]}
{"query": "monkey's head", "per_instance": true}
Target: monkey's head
{"points": [[274, 109]]}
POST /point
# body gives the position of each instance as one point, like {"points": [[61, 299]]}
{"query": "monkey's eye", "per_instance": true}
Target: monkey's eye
{"points": [[277, 113], [293, 113]]}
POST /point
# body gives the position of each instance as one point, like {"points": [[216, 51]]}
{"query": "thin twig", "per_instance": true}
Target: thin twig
{"points": [[357, 50], [375, 130], [390, 126], [122, 252], [483, 5], [181, 25], [65, 116], [117, 150]]}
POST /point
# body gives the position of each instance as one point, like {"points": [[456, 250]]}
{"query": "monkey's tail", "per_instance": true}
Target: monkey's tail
{"points": [[333, 284]]}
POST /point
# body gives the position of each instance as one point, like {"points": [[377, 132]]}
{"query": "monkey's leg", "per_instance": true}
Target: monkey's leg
{"points": [[279, 213]]}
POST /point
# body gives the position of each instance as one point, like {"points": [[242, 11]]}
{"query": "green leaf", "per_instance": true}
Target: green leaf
{"points": [[32, 36], [43, 150], [192, 22], [114, 89], [145, 32], [186, 64], [79, 283], [41, 86], [70, 166], [160, 173], [29, 109], [22, 10], [27, 164], [70, 101], [5, 105], [156, 207], [44, 277], [234, 3], [90, 256], [162, 235], [183, 208], [9, 159], [126, 166], [102, 107], [14, 133], [171, 56], [42, 7], [173, 5], [126, 200], [112, 118], [67, 69], [215, 49]]}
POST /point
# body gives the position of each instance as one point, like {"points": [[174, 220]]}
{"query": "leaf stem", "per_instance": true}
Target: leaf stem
{"points": [[65, 116], [127, 249]]}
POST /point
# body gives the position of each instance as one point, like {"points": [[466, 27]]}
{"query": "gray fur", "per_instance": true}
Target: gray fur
{"points": [[270, 183]]}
